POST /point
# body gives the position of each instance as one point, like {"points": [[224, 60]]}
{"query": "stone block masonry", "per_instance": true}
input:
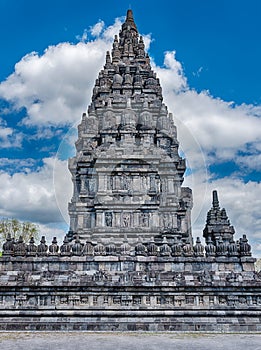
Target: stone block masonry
{"points": [[129, 261], [129, 293]]}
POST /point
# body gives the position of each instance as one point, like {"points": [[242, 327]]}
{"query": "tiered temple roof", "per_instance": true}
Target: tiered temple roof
{"points": [[127, 172]]}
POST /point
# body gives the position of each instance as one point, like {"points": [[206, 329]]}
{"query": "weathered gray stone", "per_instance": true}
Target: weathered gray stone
{"points": [[128, 262]]}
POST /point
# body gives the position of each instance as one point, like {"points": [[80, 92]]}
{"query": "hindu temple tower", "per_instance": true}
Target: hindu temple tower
{"points": [[128, 262], [127, 173]]}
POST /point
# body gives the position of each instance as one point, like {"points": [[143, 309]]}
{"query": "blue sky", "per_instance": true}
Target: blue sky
{"points": [[207, 55], [222, 37]]}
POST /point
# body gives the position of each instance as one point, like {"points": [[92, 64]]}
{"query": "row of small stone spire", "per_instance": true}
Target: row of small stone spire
{"points": [[164, 249], [128, 48], [126, 76]]}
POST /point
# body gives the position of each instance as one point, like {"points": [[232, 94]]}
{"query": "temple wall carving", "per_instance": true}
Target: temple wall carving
{"points": [[129, 261]]}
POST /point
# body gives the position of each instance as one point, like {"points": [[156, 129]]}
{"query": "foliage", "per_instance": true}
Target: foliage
{"points": [[17, 228]]}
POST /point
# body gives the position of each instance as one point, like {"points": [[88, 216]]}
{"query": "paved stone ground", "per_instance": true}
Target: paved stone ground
{"points": [[127, 341]]}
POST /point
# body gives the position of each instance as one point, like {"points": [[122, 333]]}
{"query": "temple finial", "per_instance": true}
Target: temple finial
{"points": [[129, 16], [215, 202], [130, 19]]}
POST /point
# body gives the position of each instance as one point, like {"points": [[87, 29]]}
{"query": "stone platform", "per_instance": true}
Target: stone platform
{"points": [[130, 293]]}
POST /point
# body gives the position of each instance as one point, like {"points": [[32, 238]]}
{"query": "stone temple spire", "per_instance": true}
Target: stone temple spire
{"points": [[130, 20], [215, 202], [127, 173], [217, 224], [127, 69]]}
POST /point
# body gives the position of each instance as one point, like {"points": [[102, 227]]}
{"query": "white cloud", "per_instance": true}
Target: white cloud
{"points": [[39, 196], [55, 87], [5, 132], [10, 138], [171, 75], [147, 39], [97, 28], [220, 126], [112, 30], [30, 195], [198, 72], [17, 165], [83, 38], [250, 162]]}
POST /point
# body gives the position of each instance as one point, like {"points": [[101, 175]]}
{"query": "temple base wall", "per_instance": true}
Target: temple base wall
{"points": [[224, 321], [138, 293]]}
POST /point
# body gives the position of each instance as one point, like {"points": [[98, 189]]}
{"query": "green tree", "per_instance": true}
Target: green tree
{"points": [[18, 228]]}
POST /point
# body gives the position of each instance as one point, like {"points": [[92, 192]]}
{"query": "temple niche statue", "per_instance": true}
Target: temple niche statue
{"points": [[127, 156]]}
